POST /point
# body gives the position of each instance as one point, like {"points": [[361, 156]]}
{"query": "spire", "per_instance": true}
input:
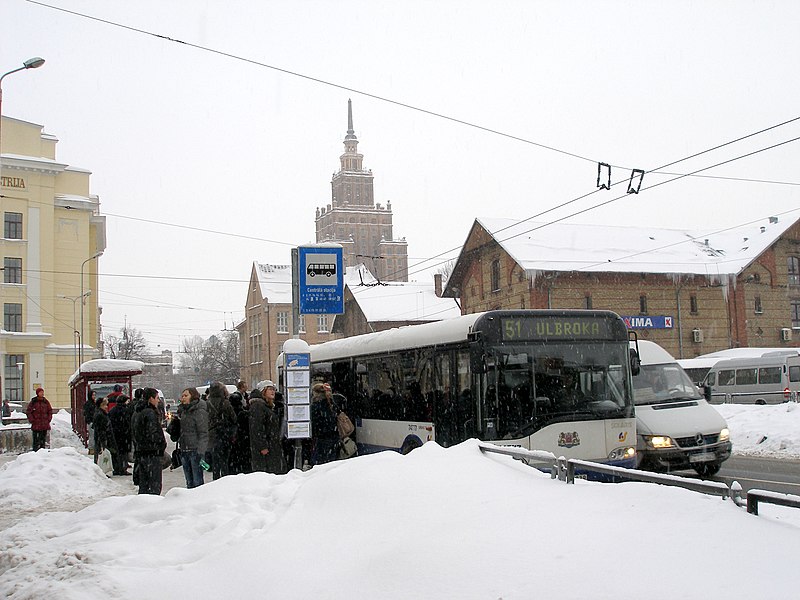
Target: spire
{"points": [[351, 135]]}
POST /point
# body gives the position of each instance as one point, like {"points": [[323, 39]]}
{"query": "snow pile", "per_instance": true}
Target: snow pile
{"points": [[770, 431], [437, 523]]}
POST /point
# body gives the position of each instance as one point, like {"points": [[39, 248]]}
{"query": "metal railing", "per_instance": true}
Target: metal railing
{"points": [[755, 497], [564, 469]]}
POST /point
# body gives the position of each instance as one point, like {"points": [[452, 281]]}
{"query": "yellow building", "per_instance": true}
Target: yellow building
{"points": [[52, 234]]}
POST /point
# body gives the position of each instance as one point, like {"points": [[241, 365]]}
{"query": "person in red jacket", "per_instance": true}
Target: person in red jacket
{"points": [[40, 413]]}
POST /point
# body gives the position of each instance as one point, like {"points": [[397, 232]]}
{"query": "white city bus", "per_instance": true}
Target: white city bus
{"points": [[771, 378], [498, 376]]}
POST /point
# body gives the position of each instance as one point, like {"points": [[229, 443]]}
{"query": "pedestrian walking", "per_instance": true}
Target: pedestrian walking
{"points": [[39, 413]]}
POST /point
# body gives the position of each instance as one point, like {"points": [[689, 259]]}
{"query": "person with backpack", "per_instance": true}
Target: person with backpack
{"points": [[221, 428], [150, 443]]}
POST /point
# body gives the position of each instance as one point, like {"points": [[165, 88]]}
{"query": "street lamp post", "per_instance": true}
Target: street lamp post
{"points": [[83, 301], [31, 63], [75, 332]]}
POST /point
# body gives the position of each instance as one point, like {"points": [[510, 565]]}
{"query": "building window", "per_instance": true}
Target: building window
{"points": [[12, 226], [12, 316], [794, 270], [496, 275], [693, 304], [588, 301], [642, 304], [301, 324], [758, 307], [795, 308], [13, 270], [13, 375], [282, 319], [322, 323]]}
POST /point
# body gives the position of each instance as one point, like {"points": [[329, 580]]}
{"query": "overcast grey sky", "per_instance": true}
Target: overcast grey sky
{"points": [[208, 159]]}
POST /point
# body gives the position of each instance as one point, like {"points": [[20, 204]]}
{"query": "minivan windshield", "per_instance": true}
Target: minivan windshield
{"points": [[663, 383]]}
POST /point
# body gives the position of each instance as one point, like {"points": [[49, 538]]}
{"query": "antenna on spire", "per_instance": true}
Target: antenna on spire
{"points": [[351, 134]]}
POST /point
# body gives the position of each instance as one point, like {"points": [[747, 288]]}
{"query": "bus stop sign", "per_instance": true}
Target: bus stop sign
{"points": [[321, 280]]}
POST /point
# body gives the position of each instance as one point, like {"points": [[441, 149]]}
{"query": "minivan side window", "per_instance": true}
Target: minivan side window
{"points": [[794, 373], [711, 379], [769, 375], [746, 376], [727, 377]]}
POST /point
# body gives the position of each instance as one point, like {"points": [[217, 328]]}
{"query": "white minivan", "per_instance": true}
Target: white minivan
{"points": [[676, 428]]}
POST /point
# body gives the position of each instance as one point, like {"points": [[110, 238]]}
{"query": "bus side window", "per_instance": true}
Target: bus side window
{"points": [[794, 373], [746, 376], [727, 377]]}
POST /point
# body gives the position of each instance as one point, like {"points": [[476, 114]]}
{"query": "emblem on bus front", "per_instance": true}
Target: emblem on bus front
{"points": [[569, 439]]}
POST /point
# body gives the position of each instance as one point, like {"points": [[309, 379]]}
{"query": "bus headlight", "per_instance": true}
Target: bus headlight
{"points": [[625, 453], [659, 441], [724, 435]]}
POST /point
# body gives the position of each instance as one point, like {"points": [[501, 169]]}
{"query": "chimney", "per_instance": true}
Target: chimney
{"points": [[437, 284]]}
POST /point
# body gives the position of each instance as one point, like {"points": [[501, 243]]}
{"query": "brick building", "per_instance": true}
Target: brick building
{"points": [[354, 220], [691, 293]]}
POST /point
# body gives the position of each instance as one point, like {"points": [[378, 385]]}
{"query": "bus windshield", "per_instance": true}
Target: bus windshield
{"points": [[663, 383], [528, 386]]}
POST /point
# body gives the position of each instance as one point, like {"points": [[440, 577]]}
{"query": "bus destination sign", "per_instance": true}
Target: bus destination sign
{"points": [[556, 328]]}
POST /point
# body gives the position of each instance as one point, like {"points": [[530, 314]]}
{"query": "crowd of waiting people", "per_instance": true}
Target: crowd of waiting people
{"points": [[216, 432]]}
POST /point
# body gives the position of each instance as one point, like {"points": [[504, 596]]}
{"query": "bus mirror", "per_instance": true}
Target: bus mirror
{"points": [[707, 392], [636, 363]]}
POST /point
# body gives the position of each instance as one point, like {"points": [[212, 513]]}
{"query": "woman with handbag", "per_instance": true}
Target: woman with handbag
{"points": [[103, 432]]}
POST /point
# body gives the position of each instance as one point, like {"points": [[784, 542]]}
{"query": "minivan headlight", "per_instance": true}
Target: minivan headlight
{"points": [[659, 441], [724, 435]]}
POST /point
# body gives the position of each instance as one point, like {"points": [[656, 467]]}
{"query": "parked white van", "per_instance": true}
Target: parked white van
{"points": [[771, 378], [676, 428]]}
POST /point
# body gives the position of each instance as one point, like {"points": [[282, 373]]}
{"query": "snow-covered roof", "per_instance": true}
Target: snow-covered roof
{"points": [[602, 248], [104, 365], [403, 301], [275, 282]]}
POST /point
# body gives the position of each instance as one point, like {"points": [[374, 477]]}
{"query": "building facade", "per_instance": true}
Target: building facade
{"points": [[52, 234], [689, 293], [354, 220]]}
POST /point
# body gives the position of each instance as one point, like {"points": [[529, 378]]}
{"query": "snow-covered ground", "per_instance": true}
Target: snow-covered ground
{"points": [[437, 523]]}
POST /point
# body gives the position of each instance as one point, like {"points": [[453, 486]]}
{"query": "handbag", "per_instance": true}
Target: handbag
{"points": [[104, 462], [347, 448], [344, 425]]}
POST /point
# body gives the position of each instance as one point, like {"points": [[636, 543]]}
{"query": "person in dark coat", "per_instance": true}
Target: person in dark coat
{"points": [[221, 428], [324, 434], [150, 443], [120, 417], [193, 441], [266, 452], [88, 414], [240, 451], [40, 413], [103, 431]]}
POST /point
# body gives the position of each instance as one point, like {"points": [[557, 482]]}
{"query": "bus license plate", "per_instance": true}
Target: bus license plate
{"points": [[702, 457]]}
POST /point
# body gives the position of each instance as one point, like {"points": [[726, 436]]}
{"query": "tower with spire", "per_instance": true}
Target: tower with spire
{"points": [[354, 220]]}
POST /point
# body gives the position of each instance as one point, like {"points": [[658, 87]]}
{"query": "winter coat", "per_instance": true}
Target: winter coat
{"points": [[265, 433], [120, 417], [88, 411], [323, 419], [40, 413], [194, 426], [221, 420], [148, 437], [103, 431]]}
